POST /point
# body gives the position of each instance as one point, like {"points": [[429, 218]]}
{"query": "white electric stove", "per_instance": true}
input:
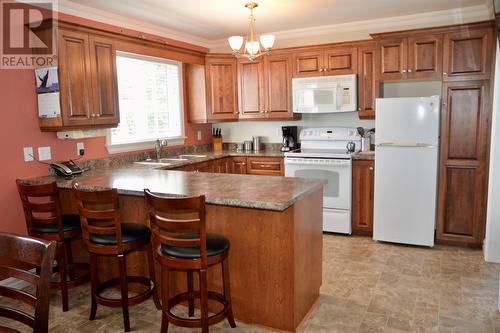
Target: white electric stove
{"points": [[324, 154]]}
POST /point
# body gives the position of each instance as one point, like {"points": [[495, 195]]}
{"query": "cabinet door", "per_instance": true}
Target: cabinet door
{"points": [[393, 59], [271, 166], [341, 61], [362, 197], [221, 165], [238, 165], [425, 58], [278, 86], [468, 55], [463, 162], [75, 78], [308, 63], [251, 89], [368, 83], [104, 81], [221, 88], [204, 167]]}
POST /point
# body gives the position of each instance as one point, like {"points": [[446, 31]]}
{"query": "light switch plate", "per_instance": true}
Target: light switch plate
{"points": [[79, 146], [44, 153], [199, 135], [28, 154]]}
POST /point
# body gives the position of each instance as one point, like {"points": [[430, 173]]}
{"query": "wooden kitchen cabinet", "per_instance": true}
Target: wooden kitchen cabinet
{"points": [[222, 165], [336, 60], [221, 87], [393, 59], [465, 119], [251, 97], [270, 166], [238, 165], [468, 54], [265, 88], [278, 87], [362, 197], [412, 57], [88, 82], [368, 82]]}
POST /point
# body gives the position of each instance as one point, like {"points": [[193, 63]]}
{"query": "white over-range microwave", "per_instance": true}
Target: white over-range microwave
{"points": [[325, 94]]}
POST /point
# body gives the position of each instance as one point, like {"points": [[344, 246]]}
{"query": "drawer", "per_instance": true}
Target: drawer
{"points": [[271, 166]]}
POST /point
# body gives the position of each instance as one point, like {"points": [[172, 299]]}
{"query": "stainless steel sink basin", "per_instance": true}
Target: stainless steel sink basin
{"points": [[150, 161], [191, 156]]}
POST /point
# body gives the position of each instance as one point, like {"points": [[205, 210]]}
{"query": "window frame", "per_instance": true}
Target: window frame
{"points": [[150, 143]]}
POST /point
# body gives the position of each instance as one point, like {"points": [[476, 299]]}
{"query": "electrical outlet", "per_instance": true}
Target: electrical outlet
{"points": [[44, 153], [79, 148], [199, 135], [28, 154]]}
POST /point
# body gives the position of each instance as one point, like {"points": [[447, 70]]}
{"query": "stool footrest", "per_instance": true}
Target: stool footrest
{"points": [[116, 302], [189, 322]]}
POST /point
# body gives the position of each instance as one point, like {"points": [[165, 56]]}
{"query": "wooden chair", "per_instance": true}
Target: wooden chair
{"points": [[181, 243], [17, 255], [42, 211], [105, 235]]}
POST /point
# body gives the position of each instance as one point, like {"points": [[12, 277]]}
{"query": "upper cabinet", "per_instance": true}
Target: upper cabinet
{"points": [[326, 61], [278, 86], [467, 55], [87, 78], [221, 87], [368, 82], [251, 89], [413, 57]]}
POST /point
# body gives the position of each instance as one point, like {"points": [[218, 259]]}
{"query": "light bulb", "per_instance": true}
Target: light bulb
{"points": [[235, 42], [267, 41]]}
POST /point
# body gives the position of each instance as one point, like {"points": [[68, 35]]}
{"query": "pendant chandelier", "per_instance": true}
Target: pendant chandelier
{"points": [[253, 48]]}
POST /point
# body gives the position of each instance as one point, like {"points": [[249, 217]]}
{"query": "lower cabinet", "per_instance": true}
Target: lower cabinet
{"points": [[269, 166], [362, 197], [238, 165]]}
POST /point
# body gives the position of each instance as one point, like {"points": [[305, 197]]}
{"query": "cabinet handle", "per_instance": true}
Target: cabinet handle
{"points": [[409, 71], [403, 71], [371, 168], [93, 115], [359, 109], [98, 115], [237, 112], [444, 73]]}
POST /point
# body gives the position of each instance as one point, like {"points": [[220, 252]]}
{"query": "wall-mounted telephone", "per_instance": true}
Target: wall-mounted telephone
{"points": [[66, 169]]}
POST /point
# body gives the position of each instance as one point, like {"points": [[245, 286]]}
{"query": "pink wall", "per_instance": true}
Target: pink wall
{"points": [[19, 128]]}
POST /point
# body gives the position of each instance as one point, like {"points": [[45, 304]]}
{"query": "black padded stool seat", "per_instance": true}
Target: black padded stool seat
{"points": [[131, 232], [70, 223], [216, 244]]}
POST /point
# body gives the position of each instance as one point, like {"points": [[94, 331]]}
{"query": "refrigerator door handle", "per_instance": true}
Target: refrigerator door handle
{"points": [[417, 144]]}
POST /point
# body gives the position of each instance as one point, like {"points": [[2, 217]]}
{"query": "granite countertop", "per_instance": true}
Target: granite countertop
{"points": [[364, 155], [250, 191]]}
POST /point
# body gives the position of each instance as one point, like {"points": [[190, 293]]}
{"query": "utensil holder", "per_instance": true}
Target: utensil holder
{"points": [[217, 144]]}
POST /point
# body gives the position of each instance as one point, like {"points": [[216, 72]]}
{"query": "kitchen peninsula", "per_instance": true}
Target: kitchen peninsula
{"points": [[274, 225]]}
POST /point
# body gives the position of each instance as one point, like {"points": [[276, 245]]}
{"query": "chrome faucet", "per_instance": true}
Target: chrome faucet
{"points": [[158, 147]]}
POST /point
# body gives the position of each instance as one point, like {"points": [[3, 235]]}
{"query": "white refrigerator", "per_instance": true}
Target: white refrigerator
{"points": [[406, 169]]}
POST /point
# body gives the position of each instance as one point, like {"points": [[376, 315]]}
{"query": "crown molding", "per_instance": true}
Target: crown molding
{"points": [[87, 12], [365, 28], [294, 37]]}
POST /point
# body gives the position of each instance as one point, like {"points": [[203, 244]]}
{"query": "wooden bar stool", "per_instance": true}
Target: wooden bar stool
{"points": [[17, 255], [105, 235], [42, 211], [181, 243]]}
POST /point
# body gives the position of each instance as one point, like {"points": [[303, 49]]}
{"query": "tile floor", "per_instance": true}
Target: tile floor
{"points": [[367, 287]]}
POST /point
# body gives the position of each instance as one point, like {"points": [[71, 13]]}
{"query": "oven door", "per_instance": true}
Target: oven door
{"points": [[337, 173]]}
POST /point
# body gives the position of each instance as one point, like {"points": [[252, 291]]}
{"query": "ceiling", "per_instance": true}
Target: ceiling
{"points": [[217, 19]]}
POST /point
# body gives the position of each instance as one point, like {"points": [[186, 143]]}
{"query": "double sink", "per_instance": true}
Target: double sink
{"points": [[169, 160]]}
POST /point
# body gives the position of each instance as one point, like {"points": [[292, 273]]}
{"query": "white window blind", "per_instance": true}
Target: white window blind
{"points": [[150, 100]]}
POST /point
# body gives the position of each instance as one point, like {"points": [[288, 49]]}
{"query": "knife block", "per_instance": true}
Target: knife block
{"points": [[217, 144]]}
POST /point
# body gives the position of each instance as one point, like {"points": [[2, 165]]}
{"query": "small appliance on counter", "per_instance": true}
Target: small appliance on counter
{"points": [[248, 145], [256, 143], [289, 141]]}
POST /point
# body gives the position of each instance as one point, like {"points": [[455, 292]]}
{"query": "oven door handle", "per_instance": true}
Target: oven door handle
{"points": [[318, 162]]}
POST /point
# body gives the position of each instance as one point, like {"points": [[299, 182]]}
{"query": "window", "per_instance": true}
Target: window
{"points": [[150, 99]]}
